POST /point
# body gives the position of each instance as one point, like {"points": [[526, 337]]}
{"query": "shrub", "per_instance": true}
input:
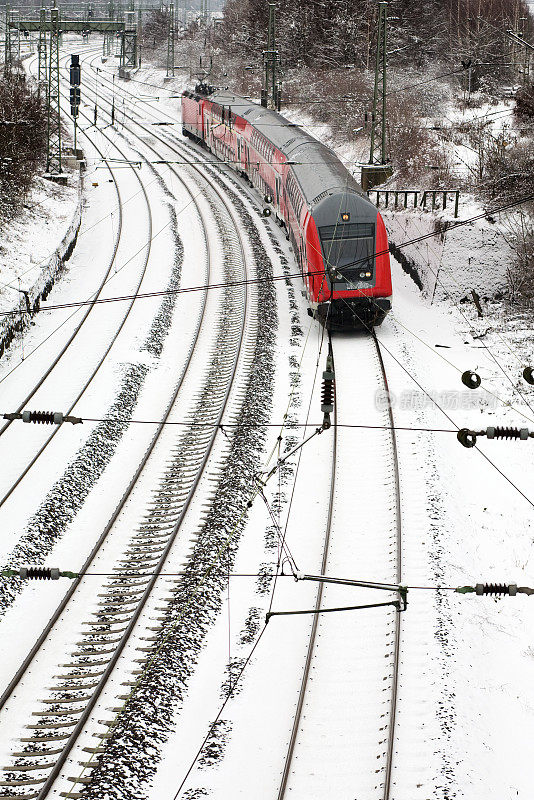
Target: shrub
{"points": [[23, 123]]}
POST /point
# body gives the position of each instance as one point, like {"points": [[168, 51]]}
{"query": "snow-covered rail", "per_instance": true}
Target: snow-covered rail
{"points": [[350, 709], [108, 613], [343, 729], [94, 335]]}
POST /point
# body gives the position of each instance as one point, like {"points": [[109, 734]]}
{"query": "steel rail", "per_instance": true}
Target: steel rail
{"points": [[398, 523], [79, 727], [311, 643], [22, 669], [93, 300], [318, 600], [47, 786], [88, 382], [396, 649]]}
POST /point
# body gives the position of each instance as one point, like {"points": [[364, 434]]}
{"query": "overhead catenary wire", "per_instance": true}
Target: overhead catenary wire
{"points": [[274, 278], [55, 573]]}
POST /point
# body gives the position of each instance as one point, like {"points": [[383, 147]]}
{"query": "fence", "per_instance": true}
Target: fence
{"points": [[435, 199]]}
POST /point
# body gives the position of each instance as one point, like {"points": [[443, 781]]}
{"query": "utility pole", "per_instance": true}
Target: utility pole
{"points": [[75, 80], [53, 159], [170, 43], [129, 42], [518, 39], [140, 33], [270, 61], [378, 169], [8, 55], [41, 51]]}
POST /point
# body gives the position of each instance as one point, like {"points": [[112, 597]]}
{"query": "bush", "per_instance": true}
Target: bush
{"points": [[23, 122]]}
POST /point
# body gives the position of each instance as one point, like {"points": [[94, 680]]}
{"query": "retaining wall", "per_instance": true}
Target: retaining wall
{"points": [[30, 301], [454, 261]]}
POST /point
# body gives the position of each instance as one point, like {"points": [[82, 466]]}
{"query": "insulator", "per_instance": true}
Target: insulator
{"points": [[528, 375], [43, 417], [40, 573], [507, 433], [327, 393], [495, 588], [471, 379], [466, 437]]}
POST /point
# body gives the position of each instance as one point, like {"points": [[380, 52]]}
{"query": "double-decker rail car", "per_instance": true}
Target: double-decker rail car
{"points": [[337, 234]]}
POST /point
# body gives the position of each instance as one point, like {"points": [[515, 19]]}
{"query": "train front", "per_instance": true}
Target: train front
{"points": [[348, 256]]}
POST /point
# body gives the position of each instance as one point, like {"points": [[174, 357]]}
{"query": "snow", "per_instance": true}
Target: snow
{"points": [[31, 239], [465, 720]]}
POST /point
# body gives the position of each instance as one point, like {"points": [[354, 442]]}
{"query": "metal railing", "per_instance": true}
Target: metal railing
{"points": [[433, 199]]}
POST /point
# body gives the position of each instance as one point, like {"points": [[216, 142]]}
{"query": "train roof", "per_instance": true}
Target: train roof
{"points": [[327, 174]]}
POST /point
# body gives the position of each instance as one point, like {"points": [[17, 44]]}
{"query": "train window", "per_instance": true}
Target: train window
{"points": [[350, 248]]}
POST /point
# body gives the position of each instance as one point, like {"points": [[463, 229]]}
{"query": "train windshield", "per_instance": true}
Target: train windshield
{"points": [[350, 249]]}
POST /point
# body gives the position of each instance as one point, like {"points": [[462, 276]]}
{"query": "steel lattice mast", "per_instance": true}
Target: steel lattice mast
{"points": [[379, 168], [378, 153], [170, 42], [41, 50], [8, 56], [53, 161]]}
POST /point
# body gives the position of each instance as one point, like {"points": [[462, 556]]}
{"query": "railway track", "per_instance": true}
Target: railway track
{"points": [[361, 734], [68, 696], [346, 706], [85, 340]]}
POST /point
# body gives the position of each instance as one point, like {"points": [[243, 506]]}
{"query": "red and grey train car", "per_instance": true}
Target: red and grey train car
{"points": [[338, 236]]}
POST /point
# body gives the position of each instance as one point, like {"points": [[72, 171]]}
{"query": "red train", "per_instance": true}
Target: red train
{"points": [[338, 237]]}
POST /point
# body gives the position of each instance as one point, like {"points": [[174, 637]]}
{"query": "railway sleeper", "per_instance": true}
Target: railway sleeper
{"points": [[64, 699], [88, 653], [136, 561], [58, 737], [94, 643], [23, 782], [81, 677], [51, 725], [22, 796], [36, 753], [67, 712], [102, 633], [150, 536], [29, 767], [123, 594], [112, 603], [103, 616]]}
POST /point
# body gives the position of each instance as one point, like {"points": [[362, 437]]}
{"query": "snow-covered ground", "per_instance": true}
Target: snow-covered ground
{"points": [[465, 719], [30, 240]]}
